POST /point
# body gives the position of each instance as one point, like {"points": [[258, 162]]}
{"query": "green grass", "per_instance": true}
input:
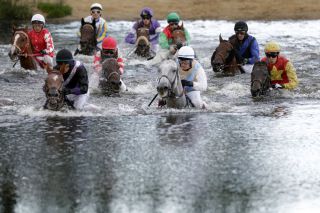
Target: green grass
{"points": [[10, 11], [55, 10]]}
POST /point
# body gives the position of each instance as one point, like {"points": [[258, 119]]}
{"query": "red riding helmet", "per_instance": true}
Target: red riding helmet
{"points": [[109, 43]]}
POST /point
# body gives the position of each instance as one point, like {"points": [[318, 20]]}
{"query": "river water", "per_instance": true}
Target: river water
{"points": [[240, 155]]}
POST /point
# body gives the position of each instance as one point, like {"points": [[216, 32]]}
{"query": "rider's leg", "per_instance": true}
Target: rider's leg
{"points": [[196, 99]]}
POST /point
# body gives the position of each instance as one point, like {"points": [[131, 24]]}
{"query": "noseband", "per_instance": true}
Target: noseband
{"points": [[23, 50], [171, 93], [263, 84]]}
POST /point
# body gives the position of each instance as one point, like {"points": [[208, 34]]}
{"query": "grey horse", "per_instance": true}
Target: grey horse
{"points": [[169, 86]]}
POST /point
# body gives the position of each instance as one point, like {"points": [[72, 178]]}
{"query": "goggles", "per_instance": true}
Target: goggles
{"points": [[272, 54], [145, 17], [108, 52], [95, 11], [37, 22], [173, 23], [240, 32]]}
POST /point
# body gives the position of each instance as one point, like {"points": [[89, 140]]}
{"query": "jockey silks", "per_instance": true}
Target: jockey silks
{"points": [[42, 41], [197, 75], [166, 39], [101, 29], [282, 72], [78, 83], [249, 48]]}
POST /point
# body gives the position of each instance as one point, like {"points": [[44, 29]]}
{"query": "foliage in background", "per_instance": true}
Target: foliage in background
{"points": [[55, 10], [12, 11]]}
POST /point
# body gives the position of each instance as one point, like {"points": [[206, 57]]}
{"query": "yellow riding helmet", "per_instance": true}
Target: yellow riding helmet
{"points": [[272, 46]]}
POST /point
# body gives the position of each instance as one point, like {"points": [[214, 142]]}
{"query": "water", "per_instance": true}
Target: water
{"points": [[240, 155]]}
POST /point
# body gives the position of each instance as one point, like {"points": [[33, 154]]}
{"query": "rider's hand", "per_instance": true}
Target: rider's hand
{"points": [[173, 49], [277, 86], [66, 91], [43, 52], [76, 52], [187, 83]]}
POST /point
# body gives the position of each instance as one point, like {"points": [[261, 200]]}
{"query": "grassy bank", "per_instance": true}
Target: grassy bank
{"points": [[12, 11]]}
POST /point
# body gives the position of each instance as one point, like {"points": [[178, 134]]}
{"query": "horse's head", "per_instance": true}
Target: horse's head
{"points": [[53, 90], [143, 43], [20, 42], [88, 40], [179, 37], [222, 56], [110, 81], [169, 79], [260, 79]]}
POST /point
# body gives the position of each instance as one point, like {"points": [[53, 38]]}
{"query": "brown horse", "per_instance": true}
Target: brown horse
{"points": [[260, 79], [88, 41], [110, 81], [224, 60], [179, 37], [21, 49], [143, 44], [53, 90]]}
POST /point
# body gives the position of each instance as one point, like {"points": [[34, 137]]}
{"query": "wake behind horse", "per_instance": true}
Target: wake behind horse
{"points": [[223, 59], [53, 91], [88, 41], [260, 79], [143, 45], [110, 81], [21, 49], [169, 86]]}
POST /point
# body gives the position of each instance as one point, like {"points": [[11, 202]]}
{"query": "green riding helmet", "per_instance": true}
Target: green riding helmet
{"points": [[173, 17]]}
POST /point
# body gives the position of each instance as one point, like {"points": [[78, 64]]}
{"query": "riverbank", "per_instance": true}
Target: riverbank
{"points": [[202, 9]]}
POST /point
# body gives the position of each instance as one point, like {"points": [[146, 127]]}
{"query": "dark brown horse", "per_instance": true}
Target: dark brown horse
{"points": [[53, 90], [88, 41], [21, 49], [260, 79], [110, 82], [224, 60], [143, 44]]}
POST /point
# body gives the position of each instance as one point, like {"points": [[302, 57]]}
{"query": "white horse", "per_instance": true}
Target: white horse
{"points": [[169, 86]]}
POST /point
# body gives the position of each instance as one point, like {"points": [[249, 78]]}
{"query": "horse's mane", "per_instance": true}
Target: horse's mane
{"points": [[167, 64]]}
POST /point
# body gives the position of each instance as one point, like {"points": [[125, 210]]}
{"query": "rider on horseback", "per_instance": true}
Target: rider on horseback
{"points": [[75, 79], [245, 45], [193, 77], [101, 24], [41, 41], [148, 22], [109, 50], [282, 72], [166, 39]]}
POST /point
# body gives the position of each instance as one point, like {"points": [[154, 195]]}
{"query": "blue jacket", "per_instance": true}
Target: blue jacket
{"points": [[249, 48]]}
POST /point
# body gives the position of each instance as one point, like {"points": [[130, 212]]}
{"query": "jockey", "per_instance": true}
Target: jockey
{"points": [[165, 39], [282, 72], [75, 85], [193, 76], [109, 50], [146, 21], [246, 46], [42, 43], [101, 24]]}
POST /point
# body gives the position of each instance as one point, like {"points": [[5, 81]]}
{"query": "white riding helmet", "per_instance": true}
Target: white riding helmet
{"points": [[186, 52], [96, 6], [38, 17]]}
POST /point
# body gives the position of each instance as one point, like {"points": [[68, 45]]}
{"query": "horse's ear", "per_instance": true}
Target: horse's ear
{"points": [[82, 22], [181, 26], [220, 38]]}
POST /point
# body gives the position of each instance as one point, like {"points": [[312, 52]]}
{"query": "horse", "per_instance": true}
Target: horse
{"points": [[169, 86], [143, 44], [110, 81], [88, 41], [21, 49], [53, 90], [260, 79], [224, 60], [179, 37]]}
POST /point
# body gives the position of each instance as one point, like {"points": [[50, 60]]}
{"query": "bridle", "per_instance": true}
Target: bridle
{"points": [[90, 43], [171, 94], [226, 60], [263, 84], [23, 51]]}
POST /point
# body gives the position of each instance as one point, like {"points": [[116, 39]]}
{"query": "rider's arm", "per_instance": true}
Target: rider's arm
{"points": [[131, 37], [200, 82], [254, 52], [155, 37], [291, 72], [97, 62], [49, 42], [102, 31], [163, 41], [121, 65], [83, 79]]}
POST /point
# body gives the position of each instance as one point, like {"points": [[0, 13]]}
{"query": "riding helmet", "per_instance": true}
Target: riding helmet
{"points": [[241, 26], [109, 43], [272, 46], [146, 12], [64, 55], [38, 17], [96, 6], [173, 17], [186, 52]]}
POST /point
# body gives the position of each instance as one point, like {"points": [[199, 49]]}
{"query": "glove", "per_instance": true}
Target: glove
{"points": [[245, 61], [77, 52], [43, 52], [187, 83], [162, 103], [66, 91], [277, 86]]}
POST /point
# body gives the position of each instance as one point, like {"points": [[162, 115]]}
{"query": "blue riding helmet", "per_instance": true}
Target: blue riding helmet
{"points": [[146, 12]]}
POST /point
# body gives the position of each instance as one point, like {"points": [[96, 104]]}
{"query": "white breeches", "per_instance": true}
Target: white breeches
{"points": [[196, 99], [46, 59], [78, 100]]}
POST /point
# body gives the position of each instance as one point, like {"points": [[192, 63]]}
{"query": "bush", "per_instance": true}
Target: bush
{"points": [[55, 10], [14, 12]]}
